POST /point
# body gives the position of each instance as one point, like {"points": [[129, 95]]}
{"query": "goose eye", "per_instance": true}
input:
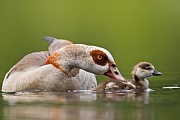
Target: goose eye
{"points": [[99, 57]]}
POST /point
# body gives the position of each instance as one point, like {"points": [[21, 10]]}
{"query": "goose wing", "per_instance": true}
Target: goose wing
{"points": [[55, 43]]}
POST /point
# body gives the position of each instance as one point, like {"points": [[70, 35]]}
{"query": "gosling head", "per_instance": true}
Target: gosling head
{"points": [[93, 59], [144, 70]]}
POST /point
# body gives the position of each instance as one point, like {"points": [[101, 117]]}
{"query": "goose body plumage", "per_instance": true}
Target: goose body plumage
{"points": [[66, 66]]}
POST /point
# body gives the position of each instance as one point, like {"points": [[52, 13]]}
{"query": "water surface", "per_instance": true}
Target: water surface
{"points": [[159, 104]]}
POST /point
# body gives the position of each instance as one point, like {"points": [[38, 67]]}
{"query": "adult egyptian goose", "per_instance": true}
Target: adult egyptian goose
{"points": [[140, 72], [41, 71]]}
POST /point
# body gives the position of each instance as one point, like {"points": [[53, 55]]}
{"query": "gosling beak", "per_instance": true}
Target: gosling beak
{"points": [[156, 73], [114, 73]]}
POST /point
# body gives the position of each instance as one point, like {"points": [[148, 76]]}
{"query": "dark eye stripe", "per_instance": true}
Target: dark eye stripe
{"points": [[146, 66]]}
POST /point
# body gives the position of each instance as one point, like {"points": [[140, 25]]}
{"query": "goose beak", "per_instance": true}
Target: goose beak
{"points": [[114, 73], [156, 73]]}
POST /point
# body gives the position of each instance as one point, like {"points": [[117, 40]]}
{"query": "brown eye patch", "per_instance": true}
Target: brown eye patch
{"points": [[99, 57]]}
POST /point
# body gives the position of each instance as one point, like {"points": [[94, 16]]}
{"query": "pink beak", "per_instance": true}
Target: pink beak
{"points": [[114, 73]]}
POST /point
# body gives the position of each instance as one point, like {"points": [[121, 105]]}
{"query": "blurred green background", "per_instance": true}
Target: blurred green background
{"points": [[132, 31]]}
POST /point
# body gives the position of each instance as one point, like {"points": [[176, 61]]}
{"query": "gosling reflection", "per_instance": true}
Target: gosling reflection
{"points": [[137, 97]]}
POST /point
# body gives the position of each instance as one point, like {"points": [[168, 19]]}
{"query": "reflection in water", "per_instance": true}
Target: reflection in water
{"points": [[75, 106]]}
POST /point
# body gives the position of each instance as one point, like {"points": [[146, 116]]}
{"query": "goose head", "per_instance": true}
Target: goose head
{"points": [[144, 70], [93, 59]]}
